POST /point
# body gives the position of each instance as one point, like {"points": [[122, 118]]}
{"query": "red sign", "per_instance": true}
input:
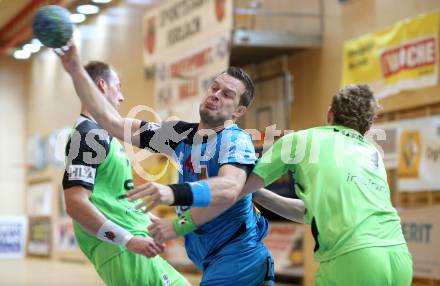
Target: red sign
{"points": [[408, 56], [150, 39], [220, 9]]}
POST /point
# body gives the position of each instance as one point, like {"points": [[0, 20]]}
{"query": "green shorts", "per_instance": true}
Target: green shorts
{"points": [[129, 269], [372, 266]]}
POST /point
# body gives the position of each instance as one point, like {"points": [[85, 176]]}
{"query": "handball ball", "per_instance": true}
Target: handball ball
{"points": [[52, 26]]}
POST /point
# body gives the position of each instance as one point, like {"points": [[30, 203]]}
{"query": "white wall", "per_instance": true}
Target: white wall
{"points": [[13, 76]]}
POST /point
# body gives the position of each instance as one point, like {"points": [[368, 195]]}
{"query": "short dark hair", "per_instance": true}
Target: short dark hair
{"points": [[98, 70], [248, 95], [355, 106]]}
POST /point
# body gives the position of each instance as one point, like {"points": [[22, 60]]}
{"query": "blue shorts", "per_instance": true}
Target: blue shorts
{"points": [[251, 267]]}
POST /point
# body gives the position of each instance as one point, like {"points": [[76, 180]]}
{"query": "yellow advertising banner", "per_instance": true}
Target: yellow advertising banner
{"points": [[410, 155], [401, 57]]}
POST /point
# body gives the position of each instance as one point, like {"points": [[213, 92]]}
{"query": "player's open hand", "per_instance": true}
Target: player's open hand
{"points": [[152, 195], [162, 230], [69, 57], [145, 246]]}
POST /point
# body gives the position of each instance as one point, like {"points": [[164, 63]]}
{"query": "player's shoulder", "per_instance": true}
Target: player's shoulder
{"points": [[315, 132], [296, 134], [85, 126], [323, 129], [89, 132], [305, 135], [235, 136], [236, 131], [234, 127]]}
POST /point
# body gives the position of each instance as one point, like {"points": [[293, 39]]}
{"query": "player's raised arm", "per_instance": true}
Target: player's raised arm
{"points": [[102, 111]]}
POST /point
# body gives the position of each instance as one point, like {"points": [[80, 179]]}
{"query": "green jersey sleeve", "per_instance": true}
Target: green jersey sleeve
{"points": [[277, 160]]}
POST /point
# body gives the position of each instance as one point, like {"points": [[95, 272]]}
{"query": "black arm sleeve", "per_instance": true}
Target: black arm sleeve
{"points": [[245, 167], [165, 137]]}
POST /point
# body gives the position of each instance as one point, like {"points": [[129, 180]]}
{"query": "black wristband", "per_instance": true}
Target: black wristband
{"points": [[183, 195]]}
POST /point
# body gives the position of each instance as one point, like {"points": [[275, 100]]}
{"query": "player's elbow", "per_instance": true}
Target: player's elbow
{"points": [[70, 210], [74, 206], [231, 194]]}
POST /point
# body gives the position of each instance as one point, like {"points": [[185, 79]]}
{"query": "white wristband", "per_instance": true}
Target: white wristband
{"points": [[113, 233]]}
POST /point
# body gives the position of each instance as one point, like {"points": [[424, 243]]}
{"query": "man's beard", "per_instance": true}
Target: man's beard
{"points": [[211, 120]]}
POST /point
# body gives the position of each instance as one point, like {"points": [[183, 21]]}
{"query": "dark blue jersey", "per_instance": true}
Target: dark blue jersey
{"points": [[200, 156]]}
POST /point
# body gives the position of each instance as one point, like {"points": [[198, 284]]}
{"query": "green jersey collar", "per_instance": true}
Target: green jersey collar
{"points": [[347, 130]]}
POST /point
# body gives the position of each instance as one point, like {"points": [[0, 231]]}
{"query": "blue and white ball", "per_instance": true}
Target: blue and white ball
{"points": [[52, 26]]}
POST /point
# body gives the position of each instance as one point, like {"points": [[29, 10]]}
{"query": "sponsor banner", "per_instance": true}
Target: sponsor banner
{"points": [[421, 228], [13, 236], [186, 45], [412, 147], [39, 236], [82, 173], [419, 154], [184, 77], [175, 26], [386, 138], [39, 199], [285, 242], [401, 57]]}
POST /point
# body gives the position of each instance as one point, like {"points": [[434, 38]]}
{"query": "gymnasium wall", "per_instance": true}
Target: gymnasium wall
{"points": [[114, 36], [13, 75], [317, 73], [117, 38], [37, 96]]}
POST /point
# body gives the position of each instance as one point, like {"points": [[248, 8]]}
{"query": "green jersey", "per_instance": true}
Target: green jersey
{"points": [[98, 163], [341, 178]]}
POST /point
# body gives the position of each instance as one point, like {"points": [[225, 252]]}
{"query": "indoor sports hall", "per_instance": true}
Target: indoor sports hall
{"points": [[220, 142]]}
